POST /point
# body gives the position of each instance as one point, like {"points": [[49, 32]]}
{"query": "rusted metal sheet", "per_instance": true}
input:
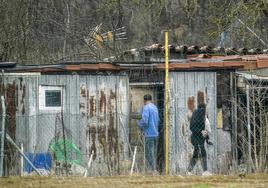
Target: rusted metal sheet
{"points": [[192, 65], [185, 86], [94, 112], [262, 64], [102, 103], [15, 90]]}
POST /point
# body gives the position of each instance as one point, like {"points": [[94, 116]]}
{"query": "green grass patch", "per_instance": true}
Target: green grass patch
{"points": [[201, 186]]}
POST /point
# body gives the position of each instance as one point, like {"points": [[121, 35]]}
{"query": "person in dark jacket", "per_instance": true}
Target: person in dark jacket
{"points": [[198, 137]]}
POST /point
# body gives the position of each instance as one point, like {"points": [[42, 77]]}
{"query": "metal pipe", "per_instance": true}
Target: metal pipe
{"points": [[89, 163], [258, 37], [24, 156], [166, 103], [2, 137], [21, 160], [249, 129]]}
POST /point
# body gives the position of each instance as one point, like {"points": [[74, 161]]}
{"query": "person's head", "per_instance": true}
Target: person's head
{"points": [[147, 98], [191, 103], [201, 98]]}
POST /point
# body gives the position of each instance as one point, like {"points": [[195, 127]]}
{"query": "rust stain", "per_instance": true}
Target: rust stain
{"points": [[102, 106], [88, 104], [112, 132], [20, 78], [92, 105], [112, 94], [23, 99], [183, 130], [82, 107], [112, 139], [17, 97], [10, 92], [97, 135], [92, 136], [101, 138], [83, 91], [11, 109], [83, 99]]}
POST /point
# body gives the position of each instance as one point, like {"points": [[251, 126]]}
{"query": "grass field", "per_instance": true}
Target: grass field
{"points": [[260, 180]]}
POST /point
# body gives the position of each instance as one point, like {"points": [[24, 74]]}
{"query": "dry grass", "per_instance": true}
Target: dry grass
{"points": [[260, 180]]}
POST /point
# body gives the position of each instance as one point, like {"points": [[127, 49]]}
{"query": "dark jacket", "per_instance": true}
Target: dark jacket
{"points": [[197, 124]]}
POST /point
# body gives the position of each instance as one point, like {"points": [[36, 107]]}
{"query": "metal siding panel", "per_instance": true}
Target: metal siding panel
{"points": [[179, 111], [172, 116], [123, 114], [71, 89], [210, 84], [182, 124], [50, 123], [37, 128], [25, 114], [191, 84], [83, 114], [32, 86]]}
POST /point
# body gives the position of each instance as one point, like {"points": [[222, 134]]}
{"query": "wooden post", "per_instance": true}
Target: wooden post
{"points": [[10, 140], [21, 159], [3, 132], [166, 103], [133, 160], [89, 163]]}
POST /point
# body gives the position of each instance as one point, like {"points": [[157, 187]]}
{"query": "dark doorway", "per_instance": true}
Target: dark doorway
{"points": [[137, 91]]}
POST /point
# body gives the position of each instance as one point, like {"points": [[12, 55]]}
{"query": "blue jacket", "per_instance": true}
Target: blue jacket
{"points": [[150, 120]]}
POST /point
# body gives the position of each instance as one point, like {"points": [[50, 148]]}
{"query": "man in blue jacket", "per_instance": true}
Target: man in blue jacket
{"points": [[149, 125]]}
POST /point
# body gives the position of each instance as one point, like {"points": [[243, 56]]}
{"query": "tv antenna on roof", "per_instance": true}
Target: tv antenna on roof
{"points": [[101, 39]]}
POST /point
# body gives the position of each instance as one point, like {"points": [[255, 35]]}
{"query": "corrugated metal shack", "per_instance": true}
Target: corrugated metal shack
{"points": [[191, 73], [91, 104], [88, 109]]}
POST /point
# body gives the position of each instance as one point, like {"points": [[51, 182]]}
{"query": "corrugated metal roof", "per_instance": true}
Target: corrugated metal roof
{"points": [[201, 61]]}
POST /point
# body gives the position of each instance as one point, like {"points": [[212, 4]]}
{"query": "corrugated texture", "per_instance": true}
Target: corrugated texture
{"points": [[182, 86], [200, 62], [95, 117]]}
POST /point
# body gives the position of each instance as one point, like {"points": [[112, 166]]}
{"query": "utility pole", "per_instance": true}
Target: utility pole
{"points": [[2, 147], [166, 103]]}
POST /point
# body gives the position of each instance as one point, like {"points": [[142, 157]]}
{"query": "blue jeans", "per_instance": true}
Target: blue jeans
{"points": [[150, 152]]}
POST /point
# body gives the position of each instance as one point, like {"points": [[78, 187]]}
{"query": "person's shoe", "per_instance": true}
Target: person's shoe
{"points": [[209, 143], [206, 173], [189, 173], [155, 173]]}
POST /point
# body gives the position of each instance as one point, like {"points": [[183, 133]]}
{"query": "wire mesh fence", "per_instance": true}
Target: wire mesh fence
{"points": [[61, 144], [216, 125]]}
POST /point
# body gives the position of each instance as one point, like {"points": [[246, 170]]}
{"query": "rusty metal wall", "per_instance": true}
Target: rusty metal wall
{"points": [[94, 116], [15, 88], [182, 86]]}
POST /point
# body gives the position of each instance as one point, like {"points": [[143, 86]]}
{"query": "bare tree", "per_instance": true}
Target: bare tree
{"points": [[253, 124]]}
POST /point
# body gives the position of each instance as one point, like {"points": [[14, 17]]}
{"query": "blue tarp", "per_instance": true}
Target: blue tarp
{"points": [[39, 160]]}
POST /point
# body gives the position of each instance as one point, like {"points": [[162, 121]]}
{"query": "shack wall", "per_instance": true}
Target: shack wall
{"points": [[94, 116], [184, 85]]}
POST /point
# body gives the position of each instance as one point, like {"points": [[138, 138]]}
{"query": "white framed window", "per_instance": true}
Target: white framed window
{"points": [[51, 98]]}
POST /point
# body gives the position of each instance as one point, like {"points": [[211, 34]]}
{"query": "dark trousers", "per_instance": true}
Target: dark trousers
{"points": [[150, 152], [199, 152]]}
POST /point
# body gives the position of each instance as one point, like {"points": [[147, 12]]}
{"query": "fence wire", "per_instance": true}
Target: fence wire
{"points": [[221, 132]]}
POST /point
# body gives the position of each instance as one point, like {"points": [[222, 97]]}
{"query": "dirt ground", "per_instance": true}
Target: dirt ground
{"points": [[259, 180]]}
